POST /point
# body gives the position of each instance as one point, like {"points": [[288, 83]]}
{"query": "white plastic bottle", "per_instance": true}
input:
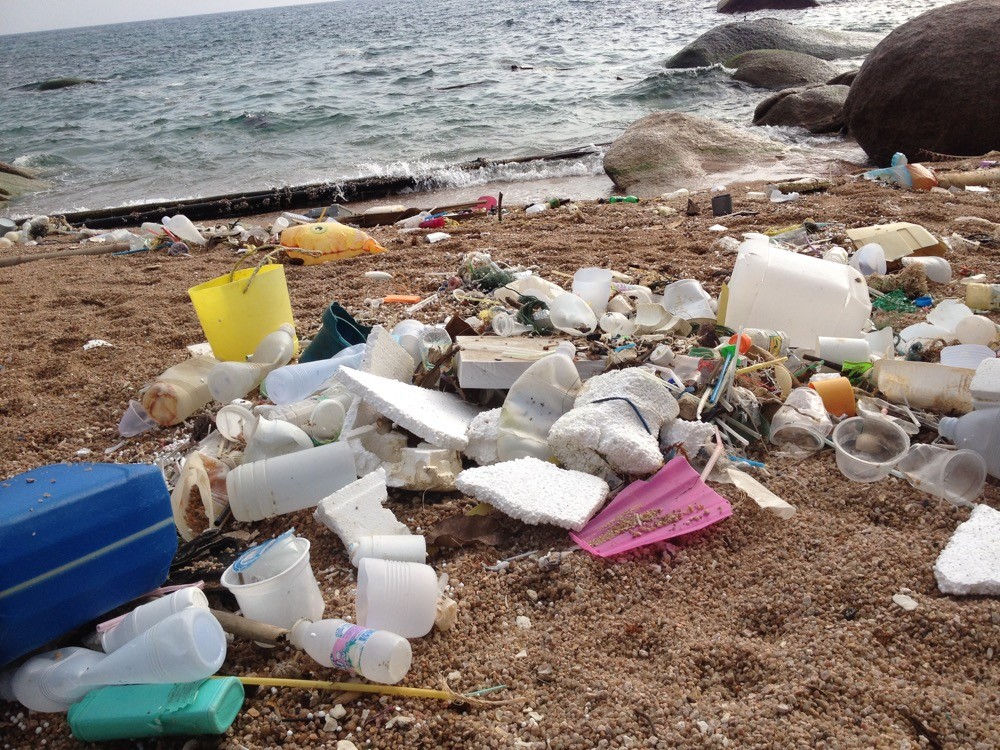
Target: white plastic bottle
{"points": [[292, 383], [978, 431], [232, 380], [187, 646], [145, 616], [374, 654], [180, 391], [543, 393]]}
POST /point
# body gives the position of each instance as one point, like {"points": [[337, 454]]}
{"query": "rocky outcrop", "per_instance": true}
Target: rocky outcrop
{"points": [[749, 6], [844, 79], [818, 109], [780, 69], [664, 149], [933, 84], [14, 182], [728, 40], [56, 83]]}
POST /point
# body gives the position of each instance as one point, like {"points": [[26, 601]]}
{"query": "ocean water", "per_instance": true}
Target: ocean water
{"points": [[207, 105]]}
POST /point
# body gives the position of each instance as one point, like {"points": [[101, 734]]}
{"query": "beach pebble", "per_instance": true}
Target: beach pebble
{"points": [[532, 594], [523, 622], [338, 711], [378, 275], [346, 745], [906, 602]]}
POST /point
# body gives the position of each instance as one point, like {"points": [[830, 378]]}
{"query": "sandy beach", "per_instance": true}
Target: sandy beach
{"points": [[755, 633]]}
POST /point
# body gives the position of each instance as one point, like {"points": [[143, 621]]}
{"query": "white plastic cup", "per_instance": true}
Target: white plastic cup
{"points": [[273, 437], [295, 481], [145, 616], [278, 587], [802, 422], [236, 422], [593, 285], [505, 324], [686, 299], [956, 476], [400, 597], [401, 547], [967, 356], [869, 259], [616, 324], [869, 447], [135, 420]]}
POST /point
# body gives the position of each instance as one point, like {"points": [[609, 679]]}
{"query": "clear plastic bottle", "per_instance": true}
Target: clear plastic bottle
{"points": [[978, 431], [543, 393], [374, 654], [292, 383], [145, 616], [180, 391], [232, 380]]}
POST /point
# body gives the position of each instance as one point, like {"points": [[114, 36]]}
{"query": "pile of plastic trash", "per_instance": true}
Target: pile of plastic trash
{"points": [[600, 405]]}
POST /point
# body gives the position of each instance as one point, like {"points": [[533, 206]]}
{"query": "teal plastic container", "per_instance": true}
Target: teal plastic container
{"points": [[125, 712], [76, 541]]}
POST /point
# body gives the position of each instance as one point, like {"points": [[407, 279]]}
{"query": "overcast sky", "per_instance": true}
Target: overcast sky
{"points": [[17, 16]]}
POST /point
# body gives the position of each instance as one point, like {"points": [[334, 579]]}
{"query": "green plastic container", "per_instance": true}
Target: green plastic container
{"points": [[123, 712]]}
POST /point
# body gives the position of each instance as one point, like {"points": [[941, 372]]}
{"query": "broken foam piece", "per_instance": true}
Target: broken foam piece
{"points": [[441, 419], [356, 511], [482, 434], [536, 491], [970, 563]]}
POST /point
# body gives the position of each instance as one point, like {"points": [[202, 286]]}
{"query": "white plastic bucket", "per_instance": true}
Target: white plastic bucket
{"points": [[593, 285], [400, 597]]}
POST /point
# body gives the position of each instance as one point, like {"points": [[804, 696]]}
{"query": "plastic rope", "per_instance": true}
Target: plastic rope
{"points": [[629, 402]]}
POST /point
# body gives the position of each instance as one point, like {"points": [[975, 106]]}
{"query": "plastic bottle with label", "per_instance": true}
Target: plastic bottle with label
{"points": [[542, 394], [180, 391], [978, 431], [377, 655]]}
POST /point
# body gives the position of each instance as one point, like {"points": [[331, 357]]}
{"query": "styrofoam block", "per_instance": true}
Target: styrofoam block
{"points": [[985, 385], [441, 419], [690, 436], [356, 511], [385, 357], [602, 432], [482, 434], [425, 467], [536, 491], [970, 563]]}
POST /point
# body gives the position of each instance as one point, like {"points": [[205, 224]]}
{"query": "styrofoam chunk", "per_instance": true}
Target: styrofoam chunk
{"points": [[356, 511], [383, 356], [970, 563], [536, 491], [441, 419], [482, 434]]}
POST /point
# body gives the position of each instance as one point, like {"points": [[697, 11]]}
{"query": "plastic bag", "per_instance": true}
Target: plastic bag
{"points": [[326, 241]]}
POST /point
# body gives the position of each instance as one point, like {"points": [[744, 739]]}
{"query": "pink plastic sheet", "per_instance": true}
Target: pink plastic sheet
{"points": [[672, 502]]}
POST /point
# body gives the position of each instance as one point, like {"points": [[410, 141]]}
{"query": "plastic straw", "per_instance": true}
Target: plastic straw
{"points": [[761, 365], [351, 687]]}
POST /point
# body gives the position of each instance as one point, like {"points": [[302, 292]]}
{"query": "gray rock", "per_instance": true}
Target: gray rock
{"points": [[844, 79], [818, 109], [933, 85], [748, 6], [780, 69], [55, 83], [730, 39], [15, 182], [663, 149]]}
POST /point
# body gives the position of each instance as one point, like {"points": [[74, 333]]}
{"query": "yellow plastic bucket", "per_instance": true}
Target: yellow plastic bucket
{"points": [[237, 311]]}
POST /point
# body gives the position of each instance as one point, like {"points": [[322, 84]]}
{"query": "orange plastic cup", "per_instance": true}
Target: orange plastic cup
{"points": [[837, 395]]}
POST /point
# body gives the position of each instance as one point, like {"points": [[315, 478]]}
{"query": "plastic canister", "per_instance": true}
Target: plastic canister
{"points": [[805, 297], [180, 391], [983, 296], [924, 385], [78, 540], [125, 712], [542, 394]]}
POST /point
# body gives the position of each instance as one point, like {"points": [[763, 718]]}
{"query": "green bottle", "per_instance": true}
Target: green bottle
{"points": [[623, 199], [123, 712]]}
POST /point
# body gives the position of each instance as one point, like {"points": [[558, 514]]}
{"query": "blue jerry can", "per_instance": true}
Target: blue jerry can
{"points": [[76, 541]]}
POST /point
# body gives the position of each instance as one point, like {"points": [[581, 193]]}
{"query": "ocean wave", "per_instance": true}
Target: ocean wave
{"points": [[430, 176], [42, 163]]}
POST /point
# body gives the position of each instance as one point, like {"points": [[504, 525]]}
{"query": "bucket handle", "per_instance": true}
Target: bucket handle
{"points": [[268, 257]]}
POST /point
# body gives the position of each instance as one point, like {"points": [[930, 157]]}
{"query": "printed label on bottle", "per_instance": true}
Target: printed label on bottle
{"points": [[346, 651]]}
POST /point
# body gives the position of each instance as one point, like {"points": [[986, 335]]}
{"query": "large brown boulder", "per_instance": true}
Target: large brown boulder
{"points": [[818, 109], [780, 69], [748, 6], [665, 150], [933, 84], [730, 39]]}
